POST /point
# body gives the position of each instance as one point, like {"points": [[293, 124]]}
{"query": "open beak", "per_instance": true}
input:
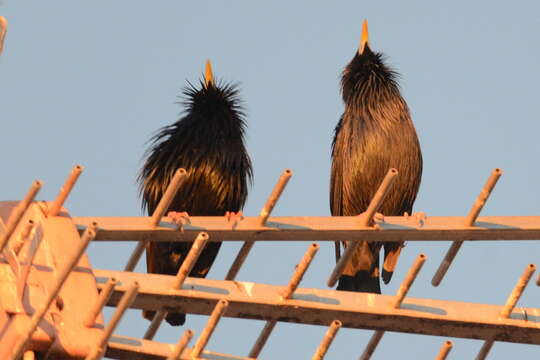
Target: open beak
{"points": [[365, 37], [208, 76]]}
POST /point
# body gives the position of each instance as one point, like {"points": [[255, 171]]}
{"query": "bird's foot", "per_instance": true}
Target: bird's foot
{"points": [[179, 218], [234, 217], [376, 219]]}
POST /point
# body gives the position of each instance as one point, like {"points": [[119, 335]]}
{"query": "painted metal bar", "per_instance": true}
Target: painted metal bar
{"points": [[18, 212], [181, 345], [300, 270], [187, 265], [124, 303], [367, 219], [177, 181], [445, 350], [262, 339], [321, 228], [23, 236], [469, 221], [372, 345], [327, 340], [193, 255], [409, 279], [155, 324], [220, 308], [63, 273], [104, 296], [57, 204], [484, 350], [29, 355], [538, 280], [378, 198], [518, 290], [274, 196], [248, 300], [262, 219]]}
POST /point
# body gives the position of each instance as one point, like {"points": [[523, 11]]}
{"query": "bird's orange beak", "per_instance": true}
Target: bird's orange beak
{"points": [[365, 37], [3, 28], [208, 76]]}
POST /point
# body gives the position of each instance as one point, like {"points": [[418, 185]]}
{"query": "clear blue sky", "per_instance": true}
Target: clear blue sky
{"points": [[89, 82]]}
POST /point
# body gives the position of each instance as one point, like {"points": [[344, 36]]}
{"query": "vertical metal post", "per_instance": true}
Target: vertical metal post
{"points": [[18, 212], [220, 308], [3, 30], [57, 204], [87, 236], [177, 181], [181, 345], [445, 350], [300, 270], [124, 303], [469, 221], [263, 337], [367, 218], [104, 296], [409, 279], [484, 351], [187, 265], [372, 345], [327, 340], [263, 217], [518, 290]]}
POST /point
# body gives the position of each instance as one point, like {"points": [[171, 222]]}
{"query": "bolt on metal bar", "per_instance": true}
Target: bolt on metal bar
{"points": [[300, 270], [262, 339], [57, 204], [469, 221], [123, 305], [159, 316], [181, 345], [104, 296], [18, 212], [367, 218], [220, 308], [23, 237], [327, 340], [372, 345], [187, 265], [177, 181], [445, 350], [484, 350], [409, 279], [263, 216], [3, 30], [518, 290], [72, 261]]}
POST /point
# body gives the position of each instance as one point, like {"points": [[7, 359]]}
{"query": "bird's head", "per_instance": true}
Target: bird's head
{"points": [[366, 67]]}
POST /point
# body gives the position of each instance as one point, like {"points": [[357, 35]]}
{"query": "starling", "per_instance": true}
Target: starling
{"points": [[208, 142], [375, 133]]}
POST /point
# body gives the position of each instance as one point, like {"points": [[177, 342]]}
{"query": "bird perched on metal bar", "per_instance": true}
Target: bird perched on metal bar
{"points": [[208, 142], [375, 133]]}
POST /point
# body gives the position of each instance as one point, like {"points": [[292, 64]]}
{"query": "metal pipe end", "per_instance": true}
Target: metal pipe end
{"points": [[336, 323]]}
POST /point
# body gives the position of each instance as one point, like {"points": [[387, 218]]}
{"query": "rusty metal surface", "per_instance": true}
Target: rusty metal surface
{"points": [[63, 321], [320, 307], [324, 228]]}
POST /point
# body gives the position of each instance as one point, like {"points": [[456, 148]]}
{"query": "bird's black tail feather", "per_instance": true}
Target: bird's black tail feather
{"points": [[361, 274]]}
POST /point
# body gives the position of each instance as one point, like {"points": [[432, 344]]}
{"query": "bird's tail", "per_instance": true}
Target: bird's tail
{"points": [[362, 272], [391, 256], [174, 319]]}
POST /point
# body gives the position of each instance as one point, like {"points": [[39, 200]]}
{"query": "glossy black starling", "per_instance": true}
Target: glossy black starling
{"points": [[375, 133], [208, 142]]}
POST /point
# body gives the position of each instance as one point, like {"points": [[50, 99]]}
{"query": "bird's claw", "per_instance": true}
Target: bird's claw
{"points": [[179, 218], [234, 217]]}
